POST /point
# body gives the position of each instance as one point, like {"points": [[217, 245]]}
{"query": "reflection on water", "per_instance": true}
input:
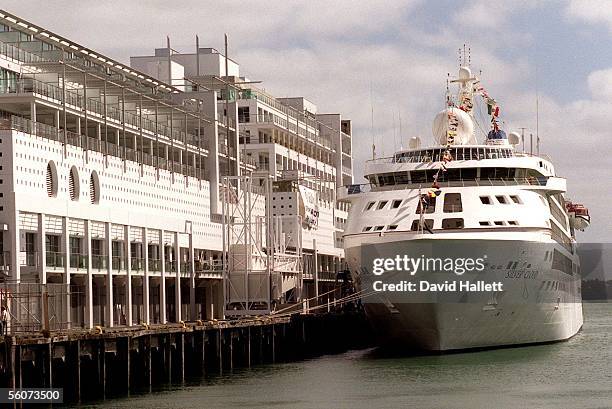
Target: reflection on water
{"points": [[573, 374]]}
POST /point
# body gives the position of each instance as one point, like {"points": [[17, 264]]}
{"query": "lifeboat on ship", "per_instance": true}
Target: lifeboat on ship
{"points": [[578, 215]]}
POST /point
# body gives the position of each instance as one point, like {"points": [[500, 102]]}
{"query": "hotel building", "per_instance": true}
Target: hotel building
{"points": [[113, 179]]}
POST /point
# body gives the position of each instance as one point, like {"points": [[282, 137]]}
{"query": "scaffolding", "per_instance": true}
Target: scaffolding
{"points": [[260, 267], [35, 307]]}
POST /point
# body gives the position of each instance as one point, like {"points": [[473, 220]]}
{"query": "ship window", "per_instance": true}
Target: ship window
{"points": [[379, 228], [513, 223], [502, 199], [452, 203], [561, 262], [485, 200], [428, 203], [367, 228], [515, 199], [392, 227], [418, 176], [499, 223], [370, 205], [428, 223], [485, 223], [454, 223], [396, 204], [382, 204], [468, 173]]}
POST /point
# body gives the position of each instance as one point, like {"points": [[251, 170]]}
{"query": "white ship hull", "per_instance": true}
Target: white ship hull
{"points": [[538, 304]]}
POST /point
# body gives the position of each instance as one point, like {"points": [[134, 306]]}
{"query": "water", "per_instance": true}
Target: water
{"points": [[573, 374]]}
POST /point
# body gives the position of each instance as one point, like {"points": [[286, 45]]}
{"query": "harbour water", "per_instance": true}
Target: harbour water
{"points": [[572, 374]]}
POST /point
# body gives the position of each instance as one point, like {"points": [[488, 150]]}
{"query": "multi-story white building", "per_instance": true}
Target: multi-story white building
{"points": [[111, 179], [285, 138]]}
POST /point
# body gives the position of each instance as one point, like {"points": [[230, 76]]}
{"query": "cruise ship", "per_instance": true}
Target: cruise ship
{"points": [[464, 198]]}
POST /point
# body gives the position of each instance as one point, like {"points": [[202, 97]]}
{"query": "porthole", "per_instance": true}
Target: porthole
{"points": [[73, 184], [51, 179]]}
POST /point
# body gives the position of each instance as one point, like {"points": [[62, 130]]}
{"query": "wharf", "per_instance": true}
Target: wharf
{"points": [[99, 363]]}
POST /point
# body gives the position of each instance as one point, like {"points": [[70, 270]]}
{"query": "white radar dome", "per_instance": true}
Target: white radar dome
{"points": [[456, 120], [465, 73], [414, 143], [514, 138]]}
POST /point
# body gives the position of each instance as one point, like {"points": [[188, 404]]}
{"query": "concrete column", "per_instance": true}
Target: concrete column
{"points": [[41, 259], [210, 310], [57, 119], [145, 281], [65, 246], [99, 131], [162, 284], [89, 280], [192, 306], [109, 277], [16, 247], [128, 269], [78, 125], [33, 115], [316, 270], [177, 286]]}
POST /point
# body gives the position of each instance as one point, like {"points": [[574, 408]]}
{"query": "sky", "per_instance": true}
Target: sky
{"points": [[353, 57]]}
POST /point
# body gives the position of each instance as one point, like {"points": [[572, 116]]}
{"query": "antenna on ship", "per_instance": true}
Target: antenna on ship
{"points": [[372, 129], [523, 137], [537, 110], [400, 130]]}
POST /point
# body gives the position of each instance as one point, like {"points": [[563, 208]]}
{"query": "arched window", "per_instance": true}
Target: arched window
{"points": [[51, 178], [94, 188], [73, 184]]}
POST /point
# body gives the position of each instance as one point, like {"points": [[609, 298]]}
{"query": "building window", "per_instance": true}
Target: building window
{"points": [[516, 199], [51, 179], [94, 188], [452, 203], [396, 204], [485, 200], [392, 227], [485, 223], [452, 223], [73, 184], [382, 204]]}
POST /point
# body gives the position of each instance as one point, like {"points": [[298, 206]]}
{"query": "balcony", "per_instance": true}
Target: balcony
{"points": [[55, 259], [78, 261], [98, 262], [30, 258], [137, 264], [95, 108], [118, 263], [170, 266], [154, 264]]}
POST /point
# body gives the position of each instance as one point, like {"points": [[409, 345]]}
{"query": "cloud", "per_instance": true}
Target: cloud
{"points": [[591, 11], [333, 53]]}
